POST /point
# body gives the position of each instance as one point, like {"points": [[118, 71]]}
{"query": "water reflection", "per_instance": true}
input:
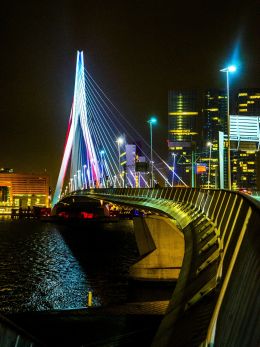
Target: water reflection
{"points": [[47, 266]]}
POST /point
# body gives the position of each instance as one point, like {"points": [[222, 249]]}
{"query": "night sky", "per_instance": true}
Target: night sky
{"points": [[135, 50]]}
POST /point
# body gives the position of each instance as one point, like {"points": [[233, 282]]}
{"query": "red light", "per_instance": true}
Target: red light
{"points": [[86, 215], [63, 215]]}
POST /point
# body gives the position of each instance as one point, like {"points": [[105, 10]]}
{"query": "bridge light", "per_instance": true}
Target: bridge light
{"points": [[120, 140], [209, 144], [151, 121]]}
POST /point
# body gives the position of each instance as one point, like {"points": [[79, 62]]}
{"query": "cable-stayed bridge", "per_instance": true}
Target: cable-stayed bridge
{"points": [[215, 302], [102, 148]]}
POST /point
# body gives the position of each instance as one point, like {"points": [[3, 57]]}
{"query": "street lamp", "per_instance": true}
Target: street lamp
{"points": [[228, 69], [173, 167], [119, 141], [209, 144], [71, 185], [75, 181], [79, 179], [85, 176], [151, 121], [102, 152]]}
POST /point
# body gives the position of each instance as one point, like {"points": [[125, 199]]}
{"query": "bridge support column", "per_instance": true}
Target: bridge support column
{"points": [[161, 247]]}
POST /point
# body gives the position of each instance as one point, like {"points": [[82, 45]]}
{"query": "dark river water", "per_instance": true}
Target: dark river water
{"points": [[45, 266]]}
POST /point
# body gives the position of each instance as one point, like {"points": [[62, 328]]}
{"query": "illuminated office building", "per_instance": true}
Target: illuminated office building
{"points": [[23, 190], [244, 167], [183, 139], [248, 102], [245, 154], [182, 133], [134, 167], [215, 115], [214, 120], [258, 170]]}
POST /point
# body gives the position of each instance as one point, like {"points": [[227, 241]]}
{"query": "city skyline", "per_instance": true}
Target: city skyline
{"points": [[134, 62]]}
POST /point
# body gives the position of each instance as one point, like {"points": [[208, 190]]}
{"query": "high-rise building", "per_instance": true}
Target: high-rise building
{"points": [[244, 154], [243, 167], [182, 133], [215, 115], [258, 170], [190, 153], [214, 120], [248, 102]]}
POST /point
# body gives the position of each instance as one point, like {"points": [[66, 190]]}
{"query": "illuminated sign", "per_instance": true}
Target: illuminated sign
{"points": [[201, 168]]}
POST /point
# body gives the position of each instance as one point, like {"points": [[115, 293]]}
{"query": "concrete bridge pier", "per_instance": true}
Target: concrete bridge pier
{"points": [[161, 247]]}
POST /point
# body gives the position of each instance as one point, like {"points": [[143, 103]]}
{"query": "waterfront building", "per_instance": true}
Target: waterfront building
{"points": [[23, 190], [182, 134]]}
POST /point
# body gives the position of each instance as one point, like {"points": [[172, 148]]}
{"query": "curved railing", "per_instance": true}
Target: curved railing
{"points": [[214, 302]]}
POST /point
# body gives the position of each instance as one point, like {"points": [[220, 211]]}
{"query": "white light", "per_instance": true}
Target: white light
{"points": [[232, 68], [120, 140]]}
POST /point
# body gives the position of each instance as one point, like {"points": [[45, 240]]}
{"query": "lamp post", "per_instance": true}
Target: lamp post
{"points": [[209, 144], [173, 167], [228, 69], [119, 141], [75, 181], [85, 176], [102, 152], [79, 179], [151, 121], [71, 185]]}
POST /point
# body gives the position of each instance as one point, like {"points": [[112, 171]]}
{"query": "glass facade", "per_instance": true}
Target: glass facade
{"points": [[214, 114], [182, 134], [193, 143], [214, 120]]}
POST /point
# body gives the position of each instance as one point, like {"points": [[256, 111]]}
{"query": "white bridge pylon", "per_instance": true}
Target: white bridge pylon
{"points": [[78, 129], [97, 158]]}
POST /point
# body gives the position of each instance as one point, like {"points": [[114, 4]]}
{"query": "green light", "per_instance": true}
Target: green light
{"points": [[152, 120]]}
